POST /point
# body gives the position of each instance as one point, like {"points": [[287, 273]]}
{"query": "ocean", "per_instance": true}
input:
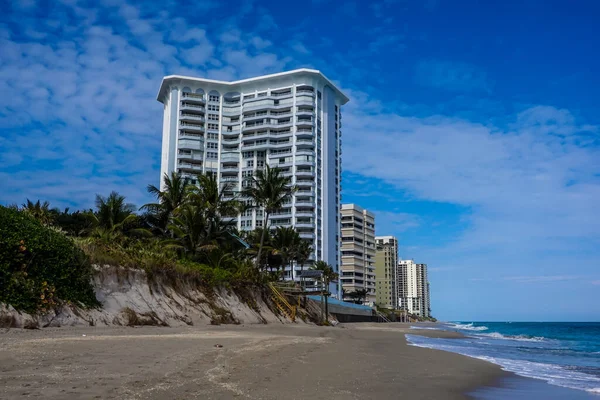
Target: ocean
{"points": [[565, 354]]}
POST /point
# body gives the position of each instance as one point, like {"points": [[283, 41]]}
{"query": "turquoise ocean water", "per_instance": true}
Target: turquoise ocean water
{"points": [[564, 354]]}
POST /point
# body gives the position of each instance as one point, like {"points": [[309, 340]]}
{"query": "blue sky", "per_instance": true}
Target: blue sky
{"points": [[472, 130]]}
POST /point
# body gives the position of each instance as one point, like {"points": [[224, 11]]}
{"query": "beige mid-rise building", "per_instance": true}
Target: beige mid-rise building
{"points": [[386, 260], [358, 251], [413, 288]]}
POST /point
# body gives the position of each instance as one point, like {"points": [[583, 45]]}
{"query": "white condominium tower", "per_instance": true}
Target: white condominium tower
{"points": [[290, 120], [413, 288]]}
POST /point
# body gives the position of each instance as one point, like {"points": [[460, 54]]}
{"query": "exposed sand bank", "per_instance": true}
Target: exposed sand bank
{"points": [[275, 361]]}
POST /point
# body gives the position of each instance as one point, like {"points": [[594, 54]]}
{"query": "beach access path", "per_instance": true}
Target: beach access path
{"points": [[275, 361]]}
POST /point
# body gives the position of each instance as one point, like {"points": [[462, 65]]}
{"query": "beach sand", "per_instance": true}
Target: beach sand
{"points": [[350, 361]]}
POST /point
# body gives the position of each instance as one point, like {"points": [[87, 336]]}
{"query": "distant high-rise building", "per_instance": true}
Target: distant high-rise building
{"points": [[358, 251], [386, 261], [413, 288], [290, 120]]}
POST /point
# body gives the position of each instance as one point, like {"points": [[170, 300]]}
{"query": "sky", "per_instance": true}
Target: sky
{"points": [[472, 130]]}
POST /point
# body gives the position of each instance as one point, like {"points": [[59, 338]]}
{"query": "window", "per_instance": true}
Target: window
{"points": [[210, 145], [213, 117], [260, 163], [212, 135], [248, 154], [213, 126], [213, 97], [211, 155], [213, 107], [250, 163]]}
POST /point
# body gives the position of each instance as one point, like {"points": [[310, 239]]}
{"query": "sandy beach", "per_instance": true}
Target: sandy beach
{"points": [[351, 361]]}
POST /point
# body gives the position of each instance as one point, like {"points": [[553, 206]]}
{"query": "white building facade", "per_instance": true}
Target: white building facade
{"points": [[413, 288], [290, 120]]}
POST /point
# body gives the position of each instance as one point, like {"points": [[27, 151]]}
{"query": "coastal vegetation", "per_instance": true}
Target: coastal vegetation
{"points": [[188, 232]]}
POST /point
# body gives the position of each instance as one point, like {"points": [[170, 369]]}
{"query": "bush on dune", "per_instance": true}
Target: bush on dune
{"points": [[39, 266]]}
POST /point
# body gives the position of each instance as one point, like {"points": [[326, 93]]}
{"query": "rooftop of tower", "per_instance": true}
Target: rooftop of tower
{"points": [[179, 79]]}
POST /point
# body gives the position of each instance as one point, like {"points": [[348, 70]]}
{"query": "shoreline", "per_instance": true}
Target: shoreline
{"points": [[273, 361]]}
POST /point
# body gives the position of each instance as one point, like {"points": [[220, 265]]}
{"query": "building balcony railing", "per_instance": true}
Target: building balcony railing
{"points": [[230, 157], [305, 101], [190, 144], [304, 122], [231, 111], [231, 132], [188, 126], [301, 172], [306, 202], [191, 106], [187, 116], [189, 166], [190, 156], [194, 97]]}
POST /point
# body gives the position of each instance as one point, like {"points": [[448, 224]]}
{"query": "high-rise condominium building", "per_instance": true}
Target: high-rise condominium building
{"points": [[358, 251], [290, 120], [413, 288], [386, 260]]}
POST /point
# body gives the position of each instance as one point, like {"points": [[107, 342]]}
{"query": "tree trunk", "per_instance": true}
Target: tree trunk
{"points": [[262, 239]]}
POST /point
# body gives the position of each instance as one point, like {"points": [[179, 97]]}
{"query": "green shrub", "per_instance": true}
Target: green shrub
{"points": [[39, 266]]}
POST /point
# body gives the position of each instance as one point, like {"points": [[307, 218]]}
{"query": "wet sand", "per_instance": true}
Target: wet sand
{"points": [[351, 361]]}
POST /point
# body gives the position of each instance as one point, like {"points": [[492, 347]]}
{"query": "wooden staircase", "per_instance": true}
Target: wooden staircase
{"points": [[282, 304]]}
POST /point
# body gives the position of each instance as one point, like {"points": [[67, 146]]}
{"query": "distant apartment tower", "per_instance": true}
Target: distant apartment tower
{"points": [[413, 286], [290, 120], [386, 261], [358, 251]]}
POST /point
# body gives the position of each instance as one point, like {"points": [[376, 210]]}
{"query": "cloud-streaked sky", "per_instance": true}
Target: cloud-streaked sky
{"points": [[472, 130]]}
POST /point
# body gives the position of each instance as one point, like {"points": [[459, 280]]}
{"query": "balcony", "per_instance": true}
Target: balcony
{"points": [[305, 101], [230, 132], [189, 167], [287, 93], [231, 112], [256, 146], [187, 116], [190, 156], [301, 193], [305, 213], [307, 235], [305, 91], [305, 183], [281, 144], [191, 106], [190, 144], [305, 202], [304, 132], [304, 162], [281, 214], [230, 141], [302, 223], [188, 126], [306, 112], [304, 122], [305, 173], [254, 116], [230, 157], [194, 98]]}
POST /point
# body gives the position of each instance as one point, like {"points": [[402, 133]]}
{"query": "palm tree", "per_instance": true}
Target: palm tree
{"points": [[269, 190], [113, 212], [329, 275], [173, 196], [303, 253], [39, 211], [285, 242], [203, 220]]}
